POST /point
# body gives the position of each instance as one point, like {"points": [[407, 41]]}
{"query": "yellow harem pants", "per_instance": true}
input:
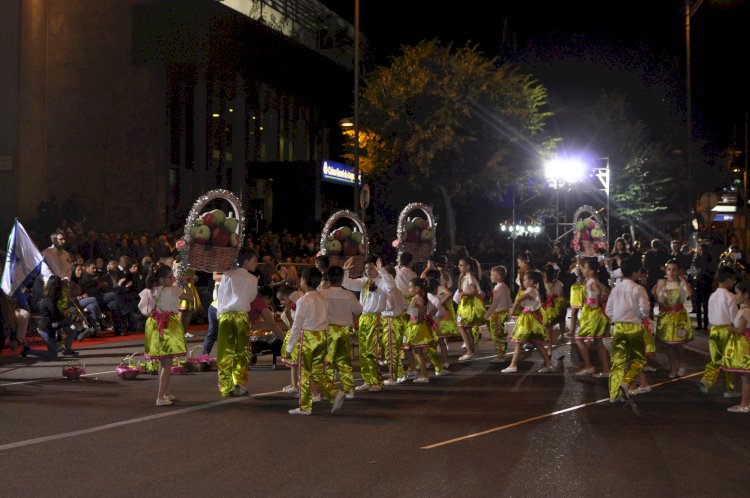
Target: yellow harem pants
{"points": [[369, 332], [232, 357], [718, 338], [627, 346], [391, 340], [339, 355], [497, 332], [313, 350]]}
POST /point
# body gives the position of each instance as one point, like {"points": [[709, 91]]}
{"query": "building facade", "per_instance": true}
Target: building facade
{"points": [[125, 111]]}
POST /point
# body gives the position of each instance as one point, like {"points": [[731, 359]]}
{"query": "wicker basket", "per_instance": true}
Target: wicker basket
{"points": [[589, 247], [206, 257], [335, 259], [420, 250], [73, 370], [129, 368], [201, 363]]}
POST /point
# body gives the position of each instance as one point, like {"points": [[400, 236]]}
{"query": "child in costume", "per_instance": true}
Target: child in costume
{"points": [[164, 337], [373, 291], [420, 335], [343, 309], [470, 306], [577, 291], [736, 358], [673, 325], [444, 315], [404, 273], [497, 313], [554, 304], [394, 329], [627, 306], [288, 298], [594, 323], [529, 327], [722, 309], [237, 290], [310, 328], [440, 264], [189, 306]]}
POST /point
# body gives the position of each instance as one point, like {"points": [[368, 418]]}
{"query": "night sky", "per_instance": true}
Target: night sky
{"points": [[719, 42]]}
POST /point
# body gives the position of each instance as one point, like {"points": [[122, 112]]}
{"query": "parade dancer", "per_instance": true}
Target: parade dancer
{"points": [[736, 359], [627, 306], [420, 335], [673, 325], [497, 313], [529, 327], [310, 329], [594, 322], [394, 329], [373, 294], [554, 304], [470, 307], [164, 337], [722, 309], [444, 314], [577, 291], [288, 298], [237, 290], [343, 309]]}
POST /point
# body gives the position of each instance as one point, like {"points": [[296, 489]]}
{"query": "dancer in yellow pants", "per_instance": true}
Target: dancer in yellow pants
{"points": [[722, 308], [237, 290], [627, 307], [310, 330]]}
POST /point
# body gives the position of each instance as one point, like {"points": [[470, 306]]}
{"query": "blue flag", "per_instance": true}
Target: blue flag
{"points": [[22, 262]]}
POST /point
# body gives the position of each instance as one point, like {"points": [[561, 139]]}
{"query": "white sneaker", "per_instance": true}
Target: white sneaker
{"points": [[240, 390], [363, 387], [299, 411], [189, 335], [164, 402], [338, 401], [401, 379], [441, 373], [389, 382], [375, 388], [422, 380], [290, 390], [509, 370], [545, 370], [466, 357], [349, 395]]}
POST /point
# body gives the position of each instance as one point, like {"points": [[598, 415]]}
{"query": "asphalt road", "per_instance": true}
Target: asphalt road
{"points": [[474, 433]]}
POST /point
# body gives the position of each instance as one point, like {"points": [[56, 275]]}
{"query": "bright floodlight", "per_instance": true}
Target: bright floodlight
{"points": [[565, 170]]}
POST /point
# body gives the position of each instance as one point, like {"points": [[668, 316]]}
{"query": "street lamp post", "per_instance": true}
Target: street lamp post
{"points": [[356, 109], [689, 11]]}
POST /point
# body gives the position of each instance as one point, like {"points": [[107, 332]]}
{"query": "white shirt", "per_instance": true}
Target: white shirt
{"points": [[312, 314], [395, 303], [237, 290], [404, 275], [500, 299], [531, 299], [56, 264], [160, 299], [742, 313], [372, 301], [628, 302], [341, 306], [722, 307]]}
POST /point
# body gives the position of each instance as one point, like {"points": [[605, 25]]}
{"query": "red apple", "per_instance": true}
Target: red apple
{"points": [[208, 218], [350, 248], [338, 234], [220, 237]]}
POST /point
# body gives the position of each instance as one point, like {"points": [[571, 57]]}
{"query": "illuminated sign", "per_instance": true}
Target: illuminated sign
{"points": [[339, 173], [723, 217]]}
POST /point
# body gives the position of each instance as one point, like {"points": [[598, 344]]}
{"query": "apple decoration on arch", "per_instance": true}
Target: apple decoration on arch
{"points": [[346, 240], [417, 228], [589, 232]]}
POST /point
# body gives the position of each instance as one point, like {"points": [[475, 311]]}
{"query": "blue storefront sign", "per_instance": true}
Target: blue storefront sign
{"points": [[338, 173]]}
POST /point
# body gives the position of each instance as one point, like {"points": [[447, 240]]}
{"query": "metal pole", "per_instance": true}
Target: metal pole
{"points": [[356, 108]]}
